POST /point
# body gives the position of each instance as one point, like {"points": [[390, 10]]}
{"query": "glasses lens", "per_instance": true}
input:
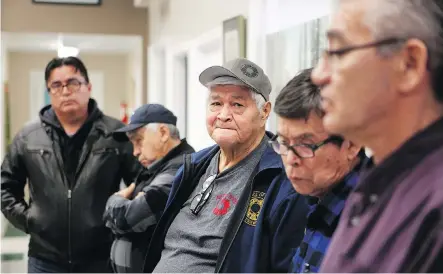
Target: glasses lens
{"points": [[195, 202], [304, 151], [276, 146], [73, 85], [208, 182]]}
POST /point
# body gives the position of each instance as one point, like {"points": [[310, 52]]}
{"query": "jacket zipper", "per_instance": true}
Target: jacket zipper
{"points": [[69, 226], [62, 175]]}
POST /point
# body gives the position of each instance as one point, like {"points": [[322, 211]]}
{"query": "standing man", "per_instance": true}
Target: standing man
{"points": [[382, 87], [321, 166], [72, 165], [231, 207], [132, 213]]}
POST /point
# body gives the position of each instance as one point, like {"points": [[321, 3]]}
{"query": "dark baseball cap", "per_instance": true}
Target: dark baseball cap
{"points": [[242, 69], [146, 114]]}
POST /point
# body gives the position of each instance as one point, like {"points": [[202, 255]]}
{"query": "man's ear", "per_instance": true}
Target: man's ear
{"points": [[164, 133], [352, 149]]}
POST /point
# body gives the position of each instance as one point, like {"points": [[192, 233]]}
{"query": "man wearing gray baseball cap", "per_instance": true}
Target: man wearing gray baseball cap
{"points": [[231, 206]]}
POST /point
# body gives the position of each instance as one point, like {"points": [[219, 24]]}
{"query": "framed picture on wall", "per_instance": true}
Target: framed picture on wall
{"points": [[234, 38], [69, 2]]}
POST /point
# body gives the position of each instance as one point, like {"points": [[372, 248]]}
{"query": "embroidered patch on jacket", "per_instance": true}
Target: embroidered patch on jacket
{"points": [[255, 205], [224, 204]]}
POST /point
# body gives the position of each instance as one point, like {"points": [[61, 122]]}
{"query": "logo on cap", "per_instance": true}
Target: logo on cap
{"points": [[249, 70]]}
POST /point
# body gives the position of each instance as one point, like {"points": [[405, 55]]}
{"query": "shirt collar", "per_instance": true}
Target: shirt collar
{"points": [[327, 210], [376, 179]]}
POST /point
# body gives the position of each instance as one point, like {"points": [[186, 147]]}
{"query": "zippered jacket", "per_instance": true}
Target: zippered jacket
{"points": [[263, 241], [69, 184]]}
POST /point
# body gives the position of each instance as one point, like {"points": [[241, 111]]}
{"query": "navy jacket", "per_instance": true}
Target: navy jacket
{"points": [[263, 243]]}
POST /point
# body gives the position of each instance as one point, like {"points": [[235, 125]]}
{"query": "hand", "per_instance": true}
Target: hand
{"points": [[141, 193], [126, 192]]}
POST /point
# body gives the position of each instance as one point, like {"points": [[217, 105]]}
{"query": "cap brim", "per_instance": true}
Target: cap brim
{"points": [[120, 134]]}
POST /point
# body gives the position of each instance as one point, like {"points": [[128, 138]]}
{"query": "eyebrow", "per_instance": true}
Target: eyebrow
{"points": [[303, 136], [214, 97], [238, 97], [67, 81], [336, 35]]}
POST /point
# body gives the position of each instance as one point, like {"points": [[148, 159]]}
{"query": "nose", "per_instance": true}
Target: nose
{"points": [[321, 73], [136, 151], [225, 114], [65, 90], [292, 159]]}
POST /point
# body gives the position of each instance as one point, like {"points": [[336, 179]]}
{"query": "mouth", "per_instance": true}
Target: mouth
{"points": [[296, 179], [145, 163], [68, 102], [225, 128]]}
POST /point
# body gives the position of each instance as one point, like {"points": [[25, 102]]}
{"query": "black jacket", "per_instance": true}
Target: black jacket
{"points": [[67, 201], [133, 221]]}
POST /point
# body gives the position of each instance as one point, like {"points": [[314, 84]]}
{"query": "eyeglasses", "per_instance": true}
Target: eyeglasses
{"points": [[73, 85], [332, 56], [202, 197], [301, 150]]}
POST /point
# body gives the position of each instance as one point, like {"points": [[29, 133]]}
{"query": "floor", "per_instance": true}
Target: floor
{"points": [[14, 248]]}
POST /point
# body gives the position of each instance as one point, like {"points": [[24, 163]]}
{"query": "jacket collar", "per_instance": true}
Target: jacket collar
{"points": [[269, 160], [180, 149], [48, 116]]}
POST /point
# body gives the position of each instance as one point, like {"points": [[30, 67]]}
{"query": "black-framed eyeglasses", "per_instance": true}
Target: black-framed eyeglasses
{"points": [[347, 49], [202, 197], [332, 56], [302, 150], [73, 85]]}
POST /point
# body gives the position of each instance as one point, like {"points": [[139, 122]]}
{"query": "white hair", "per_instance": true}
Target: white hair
{"points": [[405, 19], [227, 80], [419, 19], [173, 130]]}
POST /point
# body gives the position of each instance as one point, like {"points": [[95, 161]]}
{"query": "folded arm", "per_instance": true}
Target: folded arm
{"points": [[125, 216]]}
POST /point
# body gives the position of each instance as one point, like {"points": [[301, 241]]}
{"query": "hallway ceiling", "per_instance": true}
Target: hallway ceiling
{"points": [[44, 42]]}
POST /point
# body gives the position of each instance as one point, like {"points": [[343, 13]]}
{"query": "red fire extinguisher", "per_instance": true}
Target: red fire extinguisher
{"points": [[124, 113]]}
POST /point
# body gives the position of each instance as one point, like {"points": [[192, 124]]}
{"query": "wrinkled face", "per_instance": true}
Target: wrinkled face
{"points": [[313, 176], [75, 94], [148, 145], [232, 116], [358, 87]]}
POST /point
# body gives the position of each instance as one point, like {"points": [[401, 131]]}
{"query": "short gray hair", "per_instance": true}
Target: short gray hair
{"points": [[420, 19], [228, 80], [173, 130]]}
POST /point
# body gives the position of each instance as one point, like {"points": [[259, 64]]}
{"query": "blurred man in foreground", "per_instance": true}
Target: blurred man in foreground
{"points": [[382, 87]]}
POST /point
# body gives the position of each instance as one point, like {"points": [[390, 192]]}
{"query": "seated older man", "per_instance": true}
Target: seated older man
{"points": [[231, 207], [132, 213], [321, 166]]}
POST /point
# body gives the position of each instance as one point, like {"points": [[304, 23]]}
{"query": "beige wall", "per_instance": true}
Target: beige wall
{"points": [[114, 68], [111, 17]]}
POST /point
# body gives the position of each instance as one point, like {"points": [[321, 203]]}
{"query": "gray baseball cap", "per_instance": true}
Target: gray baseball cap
{"points": [[242, 69]]}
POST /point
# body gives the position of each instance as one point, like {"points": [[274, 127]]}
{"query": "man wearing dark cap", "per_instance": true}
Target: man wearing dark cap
{"points": [[132, 213], [231, 207]]}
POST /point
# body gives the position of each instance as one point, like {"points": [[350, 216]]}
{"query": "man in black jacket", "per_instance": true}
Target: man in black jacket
{"points": [[72, 165], [132, 213]]}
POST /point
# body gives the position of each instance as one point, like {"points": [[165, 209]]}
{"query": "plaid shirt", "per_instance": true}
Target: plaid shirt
{"points": [[323, 217]]}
